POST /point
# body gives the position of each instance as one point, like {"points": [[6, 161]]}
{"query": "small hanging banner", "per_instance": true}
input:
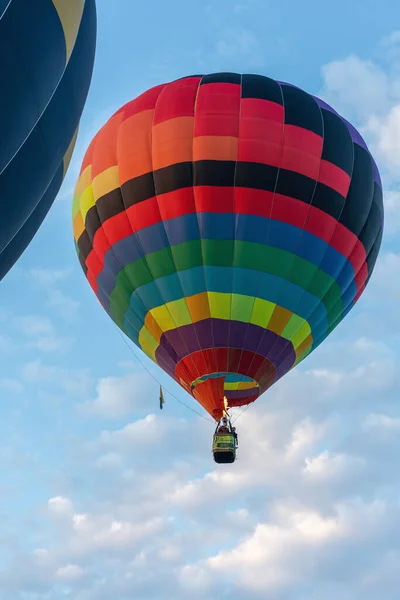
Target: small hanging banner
{"points": [[161, 398]]}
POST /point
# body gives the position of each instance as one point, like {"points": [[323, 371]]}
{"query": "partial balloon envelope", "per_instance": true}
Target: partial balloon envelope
{"points": [[47, 52], [227, 223]]}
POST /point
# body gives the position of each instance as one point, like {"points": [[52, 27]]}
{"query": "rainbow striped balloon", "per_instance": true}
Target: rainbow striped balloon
{"points": [[227, 223]]}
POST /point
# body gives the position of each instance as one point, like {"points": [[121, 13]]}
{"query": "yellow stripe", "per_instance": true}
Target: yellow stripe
{"points": [[262, 312], [85, 179], [239, 385], [86, 201], [301, 335], [105, 182], [176, 314], [70, 15]]}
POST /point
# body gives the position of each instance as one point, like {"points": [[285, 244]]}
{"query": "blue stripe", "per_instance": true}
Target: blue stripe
{"points": [[220, 226]]}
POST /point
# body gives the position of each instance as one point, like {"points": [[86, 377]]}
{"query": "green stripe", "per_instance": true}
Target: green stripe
{"points": [[226, 253]]}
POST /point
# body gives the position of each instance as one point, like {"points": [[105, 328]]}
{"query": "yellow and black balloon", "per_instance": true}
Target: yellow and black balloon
{"points": [[47, 50]]}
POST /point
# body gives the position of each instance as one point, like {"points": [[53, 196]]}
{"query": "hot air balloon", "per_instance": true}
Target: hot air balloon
{"points": [[227, 223], [47, 52]]}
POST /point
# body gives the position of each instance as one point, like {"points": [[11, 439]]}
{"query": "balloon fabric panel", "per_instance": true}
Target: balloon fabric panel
{"points": [[227, 224], [46, 60]]}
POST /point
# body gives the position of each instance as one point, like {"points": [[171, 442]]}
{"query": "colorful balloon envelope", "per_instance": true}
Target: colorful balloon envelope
{"points": [[47, 52], [227, 223]]}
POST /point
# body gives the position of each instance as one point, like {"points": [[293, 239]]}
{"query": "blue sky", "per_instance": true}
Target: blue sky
{"points": [[102, 495]]}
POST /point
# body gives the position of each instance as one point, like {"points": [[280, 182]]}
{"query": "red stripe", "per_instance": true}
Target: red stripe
{"points": [[303, 139], [266, 375], [358, 295], [144, 214], [247, 201], [234, 356], [361, 277], [217, 110], [117, 230], [334, 177], [302, 150], [177, 99], [260, 142], [92, 281], [173, 204], [145, 101], [239, 361], [261, 132], [95, 266], [348, 244], [214, 199], [259, 201], [255, 108]]}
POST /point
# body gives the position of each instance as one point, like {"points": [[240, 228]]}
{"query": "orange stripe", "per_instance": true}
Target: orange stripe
{"points": [[198, 307], [210, 147], [78, 226], [279, 319], [134, 146], [173, 142], [104, 151], [304, 346], [151, 324]]}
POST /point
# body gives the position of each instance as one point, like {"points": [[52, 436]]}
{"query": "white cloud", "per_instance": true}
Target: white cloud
{"points": [[60, 506], [42, 334], [118, 396], [392, 212], [49, 277], [70, 573], [74, 382], [370, 97], [35, 325], [356, 87], [51, 281]]}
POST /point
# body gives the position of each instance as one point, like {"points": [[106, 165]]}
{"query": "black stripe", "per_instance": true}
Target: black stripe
{"points": [[207, 172], [302, 110], [352, 212], [256, 176], [338, 147], [359, 199], [371, 228], [138, 189], [221, 78], [84, 245], [92, 220], [328, 200], [295, 185], [263, 88]]}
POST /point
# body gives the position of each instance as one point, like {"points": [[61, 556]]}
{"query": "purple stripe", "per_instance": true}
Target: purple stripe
{"points": [[219, 333], [238, 394]]}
